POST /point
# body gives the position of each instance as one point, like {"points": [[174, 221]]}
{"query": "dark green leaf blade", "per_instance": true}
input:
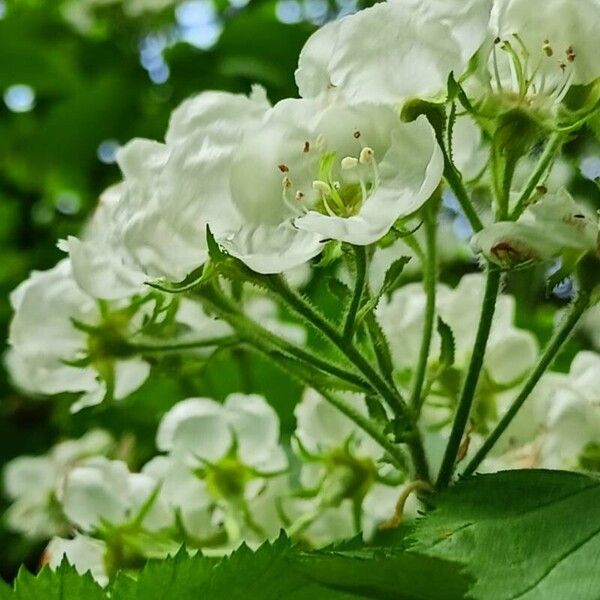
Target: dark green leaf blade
{"points": [[531, 535]]}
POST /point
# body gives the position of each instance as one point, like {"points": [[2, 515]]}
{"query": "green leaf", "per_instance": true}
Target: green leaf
{"points": [[384, 574], [531, 535], [390, 283], [448, 344], [63, 584], [190, 282], [180, 576]]}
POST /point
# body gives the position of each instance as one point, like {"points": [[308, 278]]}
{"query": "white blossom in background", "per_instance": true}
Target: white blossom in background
{"points": [[34, 483], [116, 514], [555, 226], [86, 554], [393, 51], [511, 353], [224, 471], [559, 427], [326, 171], [345, 486], [43, 339]]}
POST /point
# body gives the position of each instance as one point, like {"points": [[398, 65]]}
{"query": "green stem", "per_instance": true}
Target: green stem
{"points": [[454, 180], [368, 426], [429, 283], [385, 389], [256, 334], [360, 260], [469, 388], [551, 351], [295, 302], [550, 151], [226, 340]]}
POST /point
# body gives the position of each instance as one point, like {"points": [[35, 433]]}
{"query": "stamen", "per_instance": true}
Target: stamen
{"points": [[299, 196], [283, 168], [356, 134], [366, 155], [349, 163], [306, 147], [571, 54], [321, 187], [286, 182], [547, 48]]}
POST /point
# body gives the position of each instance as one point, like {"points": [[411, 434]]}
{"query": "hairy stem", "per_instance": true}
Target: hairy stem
{"points": [[254, 333], [548, 155], [226, 340], [385, 389], [429, 283], [554, 346], [360, 260], [467, 395]]}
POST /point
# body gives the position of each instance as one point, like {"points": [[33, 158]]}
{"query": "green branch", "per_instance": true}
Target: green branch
{"points": [[467, 395], [429, 283], [360, 260]]}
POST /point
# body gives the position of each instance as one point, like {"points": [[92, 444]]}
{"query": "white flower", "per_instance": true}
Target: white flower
{"points": [[315, 171], [172, 191], [33, 483], [44, 338], [393, 51], [546, 51], [101, 272], [348, 489], [559, 427], [101, 491], [554, 226], [86, 554], [223, 475], [202, 430]]}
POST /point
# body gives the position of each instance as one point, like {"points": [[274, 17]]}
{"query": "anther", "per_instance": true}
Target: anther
{"points": [[321, 187], [366, 155], [306, 147], [349, 162], [286, 182], [356, 134], [571, 54], [547, 48], [299, 196], [497, 40], [283, 168]]}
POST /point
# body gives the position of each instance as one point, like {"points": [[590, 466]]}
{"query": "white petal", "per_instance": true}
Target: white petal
{"points": [[130, 374], [84, 553]]}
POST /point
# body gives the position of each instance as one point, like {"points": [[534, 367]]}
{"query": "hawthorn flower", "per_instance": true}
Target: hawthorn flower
{"points": [[560, 424], [173, 190], [63, 340], [123, 519], [393, 51], [553, 227], [346, 488], [33, 483], [544, 52], [326, 171], [224, 469]]}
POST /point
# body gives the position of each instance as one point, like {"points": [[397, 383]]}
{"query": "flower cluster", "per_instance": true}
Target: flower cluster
{"points": [[408, 111]]}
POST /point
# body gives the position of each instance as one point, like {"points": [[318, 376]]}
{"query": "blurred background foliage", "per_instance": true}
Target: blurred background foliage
{"points": [[77, 79]]}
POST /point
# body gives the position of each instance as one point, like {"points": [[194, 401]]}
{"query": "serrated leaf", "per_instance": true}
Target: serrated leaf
{"points": [[181, 576], [339, 289], [531, 535], [390, 283], [448, 347], [63, 584], [392, 275]]}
